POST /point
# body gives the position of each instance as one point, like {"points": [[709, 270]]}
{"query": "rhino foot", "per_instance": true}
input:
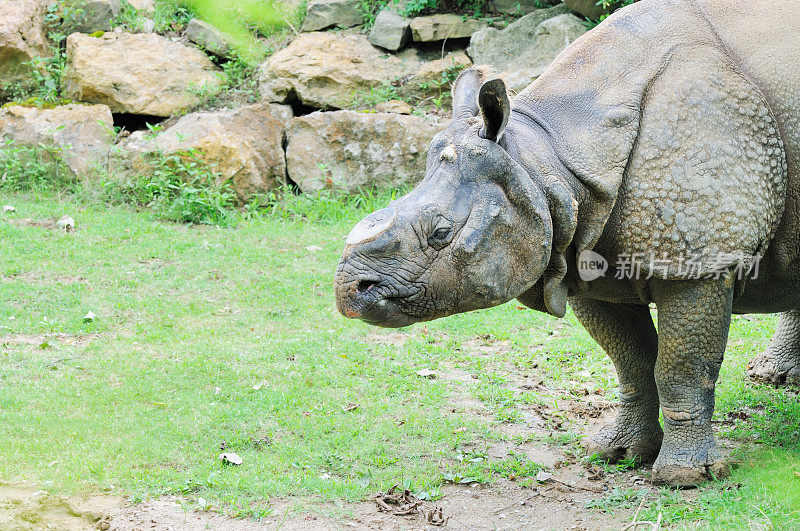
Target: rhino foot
{"points": [[780, 364], [773, 369], [678, 467], [615, 442]]}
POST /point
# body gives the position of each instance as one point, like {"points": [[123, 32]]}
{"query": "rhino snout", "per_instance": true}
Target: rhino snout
{"points": [[364, 296]]}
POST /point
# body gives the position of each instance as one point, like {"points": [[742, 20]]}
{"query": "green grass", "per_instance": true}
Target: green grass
{"points": [[209, 338]]}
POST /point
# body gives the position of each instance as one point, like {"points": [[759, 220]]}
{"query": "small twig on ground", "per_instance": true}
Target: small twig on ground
{"points": [[53, 363], [654, 526], [576, 487]]}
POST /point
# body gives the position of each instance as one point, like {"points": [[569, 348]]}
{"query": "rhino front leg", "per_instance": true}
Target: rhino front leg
{"points": [[780, 363], [627, 334], [693, 322]]}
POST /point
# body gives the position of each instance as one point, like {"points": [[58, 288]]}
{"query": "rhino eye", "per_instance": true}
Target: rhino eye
{"points": [[438, 240], [441, 234]]}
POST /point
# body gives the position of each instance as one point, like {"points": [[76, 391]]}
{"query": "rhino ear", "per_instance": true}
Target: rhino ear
{"points": [[465, 92], [495, 107]]}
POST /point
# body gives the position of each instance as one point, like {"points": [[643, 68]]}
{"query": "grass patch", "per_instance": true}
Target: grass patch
{"points": [[213, 338]]}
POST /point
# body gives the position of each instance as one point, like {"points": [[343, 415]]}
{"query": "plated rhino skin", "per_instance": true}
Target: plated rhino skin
{"points": [[656, 161]]}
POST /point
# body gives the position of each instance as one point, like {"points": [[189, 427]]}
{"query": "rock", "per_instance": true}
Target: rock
{"points": [[440, 27], [21, 39], [587, 8], [395, 106], [139, 74], [148, 6], [526, 48], [323, 14], [434, 78], [346, 150], [95, 15], [518, 7], [84, 132], [391, 30], [244, 146], [210, 38], [329, 70]]}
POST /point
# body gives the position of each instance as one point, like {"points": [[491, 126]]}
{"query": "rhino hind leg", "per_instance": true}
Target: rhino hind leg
{"points": [[627, 334], [694, 319], [779, 364]]}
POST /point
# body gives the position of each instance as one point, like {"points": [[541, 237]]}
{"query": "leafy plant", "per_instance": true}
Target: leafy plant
{"points": [[182, 187], [37, 169]]}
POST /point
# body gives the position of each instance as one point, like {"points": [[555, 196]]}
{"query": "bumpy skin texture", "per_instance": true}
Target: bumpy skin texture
{"points": [[673, 130]]}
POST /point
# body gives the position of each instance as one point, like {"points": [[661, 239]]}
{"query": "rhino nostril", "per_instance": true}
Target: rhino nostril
{"points": [[366, 285]]}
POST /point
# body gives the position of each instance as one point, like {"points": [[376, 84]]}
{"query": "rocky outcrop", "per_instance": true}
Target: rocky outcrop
{"points": [[346, 150], [83, 133], [440, 27], [140, 74], [524, 49], [21, 40], [326, 70], [391, 30], [329, 70], [210, 38], [243, 146], [322, 14]]}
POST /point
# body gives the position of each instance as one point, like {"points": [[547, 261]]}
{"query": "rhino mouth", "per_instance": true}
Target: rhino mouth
{"points": [[370, 299]]}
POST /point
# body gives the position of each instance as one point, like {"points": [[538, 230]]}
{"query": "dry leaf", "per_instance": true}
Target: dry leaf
{"points": [[426, 373], [8, 208], [313, 248], [543, 476], [350, 407]]}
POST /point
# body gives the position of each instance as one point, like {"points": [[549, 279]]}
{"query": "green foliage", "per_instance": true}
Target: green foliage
{"points": [[410, 8], [324, 207], [362, 99], [33, 169], [181, 187]]}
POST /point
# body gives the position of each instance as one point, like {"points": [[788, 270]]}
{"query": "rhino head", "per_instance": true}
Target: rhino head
{"points": [[475, 233]]}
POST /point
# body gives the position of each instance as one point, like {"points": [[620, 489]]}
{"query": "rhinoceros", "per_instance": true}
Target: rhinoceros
{"points": [[656, 161]]}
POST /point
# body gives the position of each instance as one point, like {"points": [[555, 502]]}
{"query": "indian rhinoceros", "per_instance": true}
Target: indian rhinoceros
{"points": [[671, 133]]}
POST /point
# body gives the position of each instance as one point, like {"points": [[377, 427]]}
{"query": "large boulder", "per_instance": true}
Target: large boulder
{"points": [[82, 133], [138, 74], [329, 70], [244, 146], [21, 40], [447, 26], [524, 49], [326, 70], [323, 14], [391, 30], [348, 150]]}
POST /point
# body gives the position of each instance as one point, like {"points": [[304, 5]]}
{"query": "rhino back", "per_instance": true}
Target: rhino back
{"points": [[675, 140]]}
